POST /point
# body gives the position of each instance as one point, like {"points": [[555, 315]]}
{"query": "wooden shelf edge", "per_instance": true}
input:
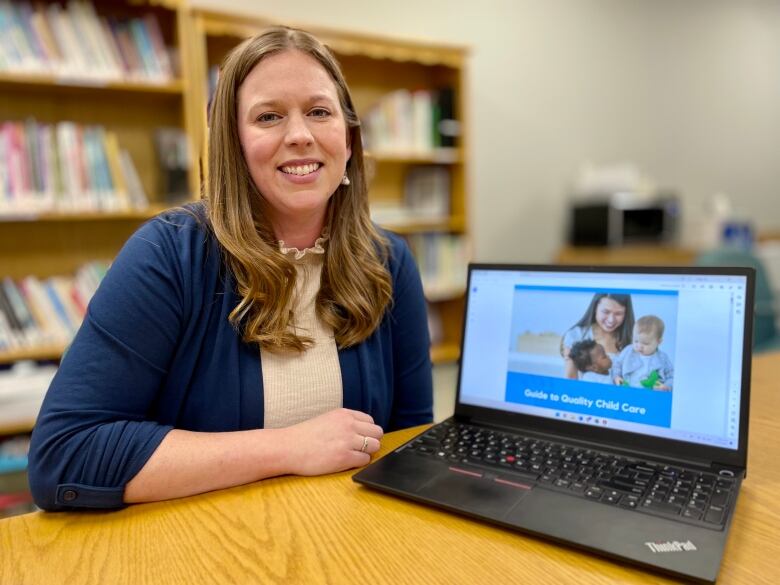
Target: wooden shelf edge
{"points": [[372, 45], [456, 223], [16, 428], [172, 87], [449, 293], [53, 216], [44, 352], [442, 156], [444, 353]]}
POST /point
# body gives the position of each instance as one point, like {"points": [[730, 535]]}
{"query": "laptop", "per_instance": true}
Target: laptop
{"points": [[637, 451]]}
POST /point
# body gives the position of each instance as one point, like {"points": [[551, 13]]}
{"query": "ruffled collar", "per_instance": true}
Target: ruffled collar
{"points": [[317, 249]]}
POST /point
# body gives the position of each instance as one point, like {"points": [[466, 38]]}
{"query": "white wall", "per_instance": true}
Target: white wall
{"points": [[689, 90]]}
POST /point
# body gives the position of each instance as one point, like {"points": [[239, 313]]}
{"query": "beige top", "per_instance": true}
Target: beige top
{"points": [[300, 386]]}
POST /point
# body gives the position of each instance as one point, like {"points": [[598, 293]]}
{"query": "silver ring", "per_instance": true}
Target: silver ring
{"points": [[365, 444]]}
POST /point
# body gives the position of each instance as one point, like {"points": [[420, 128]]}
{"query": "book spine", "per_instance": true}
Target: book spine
{"points": [[61, 314], [21, 310], [8, 51], [63, 289], [5, 181], [145, 50], [40, 25], [115, 168], [158, 45], [15, 331], [24, 14], [135, 188], [69, 64], [48, 323]]}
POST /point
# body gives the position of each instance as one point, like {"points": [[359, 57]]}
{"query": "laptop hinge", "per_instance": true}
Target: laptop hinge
{"points": [[671, 459]]}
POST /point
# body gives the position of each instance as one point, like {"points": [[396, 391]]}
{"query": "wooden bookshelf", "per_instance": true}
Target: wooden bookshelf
{"points": [[131, 108], [17, 428], [51, 243], [40, 353], [28, 82], [443, 156], [55, 243], [374, 66], [445, 352], [83, 216]]}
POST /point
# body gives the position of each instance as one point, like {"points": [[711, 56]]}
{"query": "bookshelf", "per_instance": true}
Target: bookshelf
{"points": [[375, 67], [80, 84]]}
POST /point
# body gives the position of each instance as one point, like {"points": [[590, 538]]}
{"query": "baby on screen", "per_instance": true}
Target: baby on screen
{"points": [[642, 364], [592, 361]]}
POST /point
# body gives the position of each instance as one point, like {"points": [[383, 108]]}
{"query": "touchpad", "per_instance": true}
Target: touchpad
{"points": [[477, 495]]}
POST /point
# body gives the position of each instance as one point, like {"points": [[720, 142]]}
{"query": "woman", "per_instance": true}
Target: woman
{"points": [[608, 320], [269, 330]]}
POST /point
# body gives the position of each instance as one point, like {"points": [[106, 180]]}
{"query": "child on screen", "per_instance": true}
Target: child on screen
{"points": [[592, 361], [642, 364]]}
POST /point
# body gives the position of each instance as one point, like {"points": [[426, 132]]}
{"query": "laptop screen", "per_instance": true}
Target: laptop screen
{"points": [[655, 354]]}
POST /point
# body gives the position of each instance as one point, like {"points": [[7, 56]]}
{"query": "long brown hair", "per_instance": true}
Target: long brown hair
{"points": [[355, 286]]}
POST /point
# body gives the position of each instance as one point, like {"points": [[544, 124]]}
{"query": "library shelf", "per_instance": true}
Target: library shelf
{"points": [[16, 428], [441, 156], [435, 294], [445, 352], [80, 216], [46, 82], [454, 223], [38, 353]]}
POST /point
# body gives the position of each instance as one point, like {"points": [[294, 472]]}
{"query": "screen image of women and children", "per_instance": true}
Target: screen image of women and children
{"points": [[594, 352]]}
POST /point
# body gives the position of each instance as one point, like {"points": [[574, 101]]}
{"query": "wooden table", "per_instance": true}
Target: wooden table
{"points": [[330, 530]]}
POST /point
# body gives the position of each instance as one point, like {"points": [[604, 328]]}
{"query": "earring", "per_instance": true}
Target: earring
{"points": [[345, 179]]}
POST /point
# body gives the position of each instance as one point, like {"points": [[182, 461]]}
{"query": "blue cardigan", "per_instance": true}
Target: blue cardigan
{"points": [[156, 352]]}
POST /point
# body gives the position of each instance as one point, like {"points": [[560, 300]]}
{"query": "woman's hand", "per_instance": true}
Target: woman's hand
{"points": [[331, 442]]}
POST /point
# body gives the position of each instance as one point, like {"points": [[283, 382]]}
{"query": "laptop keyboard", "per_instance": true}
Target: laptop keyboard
{"points": [[666, 490]]}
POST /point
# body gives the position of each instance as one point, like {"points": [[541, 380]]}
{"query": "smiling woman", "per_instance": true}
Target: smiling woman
{"points": [[294, 137], [270, 329], [608, 321]]}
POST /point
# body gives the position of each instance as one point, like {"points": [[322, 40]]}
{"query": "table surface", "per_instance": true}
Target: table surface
{"points": [[330, 530]]}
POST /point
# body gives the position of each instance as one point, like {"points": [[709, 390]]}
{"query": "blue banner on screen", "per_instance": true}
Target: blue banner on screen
{"points": [[616, 402]]}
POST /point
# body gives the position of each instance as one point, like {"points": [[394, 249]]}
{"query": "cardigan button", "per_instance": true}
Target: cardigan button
{"points": [[69, 495]]}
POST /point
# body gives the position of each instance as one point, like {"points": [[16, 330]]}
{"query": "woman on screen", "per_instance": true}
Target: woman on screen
{"points": [[608, 320]]}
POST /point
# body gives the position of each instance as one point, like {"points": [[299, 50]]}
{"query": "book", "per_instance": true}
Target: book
{"points": [[135, 189], [67, 167], [15, 330], [447, 128], [141, 39], [62, 317], [427, 192], [442, 260], [173, 162], [416, 122], [21, 310], [49, 322], [155, 37]]}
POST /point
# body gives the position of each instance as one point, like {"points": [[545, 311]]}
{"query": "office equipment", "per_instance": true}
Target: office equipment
{"points": [[622, 218], [647, 475]]}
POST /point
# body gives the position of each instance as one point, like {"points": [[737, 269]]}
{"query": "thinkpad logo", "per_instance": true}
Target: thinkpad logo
{"points": [[671, 546]]}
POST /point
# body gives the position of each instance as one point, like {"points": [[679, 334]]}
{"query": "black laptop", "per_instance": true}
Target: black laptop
{"points": [[602, 407]]}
